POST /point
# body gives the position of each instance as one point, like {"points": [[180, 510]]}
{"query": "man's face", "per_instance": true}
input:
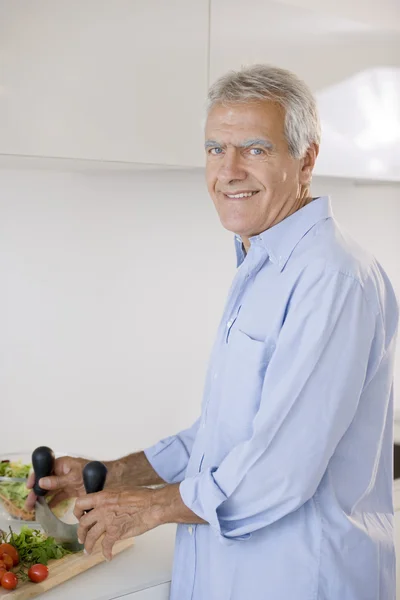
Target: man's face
{"points": [[247, 153]]}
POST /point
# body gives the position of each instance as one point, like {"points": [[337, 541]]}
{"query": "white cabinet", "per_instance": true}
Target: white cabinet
{"points": [[321, 48], [352, 67], [383, 12], [114, 81]]}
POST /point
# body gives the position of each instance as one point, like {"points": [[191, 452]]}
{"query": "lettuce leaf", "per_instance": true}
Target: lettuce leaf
{"points": [[14, 469], [17, 493]]}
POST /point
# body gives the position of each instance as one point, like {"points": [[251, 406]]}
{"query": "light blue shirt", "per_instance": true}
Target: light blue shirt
{"points": [[290, 462]]}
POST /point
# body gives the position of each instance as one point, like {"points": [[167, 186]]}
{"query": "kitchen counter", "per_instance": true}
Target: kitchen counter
{"points": [[142, 572]]}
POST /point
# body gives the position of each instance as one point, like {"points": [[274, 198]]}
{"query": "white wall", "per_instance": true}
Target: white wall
{"points": [[112, 285]]}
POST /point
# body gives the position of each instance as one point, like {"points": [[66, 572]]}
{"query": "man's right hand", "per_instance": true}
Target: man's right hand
{"points": [[66, 482]]}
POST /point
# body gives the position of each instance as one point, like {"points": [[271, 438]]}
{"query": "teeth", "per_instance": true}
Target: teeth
{"points": [[245, 195]]}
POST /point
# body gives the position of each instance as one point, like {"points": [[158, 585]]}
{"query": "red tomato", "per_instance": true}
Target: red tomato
{"points": [[2, 571], [8, 561], [3, 565], [11, 551], [9, 581], [38, 573]]}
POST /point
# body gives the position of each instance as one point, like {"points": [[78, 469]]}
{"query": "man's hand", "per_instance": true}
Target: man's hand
{"points": [[122, 513], [118, 514], [66, 482]]}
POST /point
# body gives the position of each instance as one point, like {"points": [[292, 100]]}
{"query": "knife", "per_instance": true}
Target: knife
{"points": [[94, 477]]}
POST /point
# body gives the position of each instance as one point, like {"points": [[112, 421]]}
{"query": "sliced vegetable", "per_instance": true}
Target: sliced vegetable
{"points": [[38, 573], [11, 551], [9, 581], [14, 469], [8, 561], [14, 493]]}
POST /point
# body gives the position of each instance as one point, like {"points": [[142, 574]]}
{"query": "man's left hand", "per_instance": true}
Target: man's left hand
{"points": [[120, 513], [117, 514]]}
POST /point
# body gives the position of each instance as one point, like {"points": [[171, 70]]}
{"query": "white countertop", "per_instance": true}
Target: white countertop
{"points": [[147, 564]]}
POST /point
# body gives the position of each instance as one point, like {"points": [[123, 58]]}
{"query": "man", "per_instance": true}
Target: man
{"points": [[283, 487]]}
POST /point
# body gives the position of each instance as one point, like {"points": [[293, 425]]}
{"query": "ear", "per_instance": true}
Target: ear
{"points": [[307, 164]]}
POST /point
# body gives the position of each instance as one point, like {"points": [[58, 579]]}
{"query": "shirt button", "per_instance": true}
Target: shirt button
{"points": [[190, 529], [229, 323]]}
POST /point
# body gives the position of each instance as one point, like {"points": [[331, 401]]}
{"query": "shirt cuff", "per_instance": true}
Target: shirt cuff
{"points": [[203, 496], [169, 459]]}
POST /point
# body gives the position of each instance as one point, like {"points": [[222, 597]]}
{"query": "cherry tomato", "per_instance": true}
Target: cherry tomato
{"points": [[8, 561], [9, 581], [3, 565], [38, 573], [2, 571], [11, 551]]}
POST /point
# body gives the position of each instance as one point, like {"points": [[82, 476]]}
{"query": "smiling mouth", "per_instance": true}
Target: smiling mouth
{"points": [[240, 195]]}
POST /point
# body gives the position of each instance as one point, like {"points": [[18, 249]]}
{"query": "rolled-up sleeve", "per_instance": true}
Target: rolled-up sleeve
{"points": [[170, 456], [311, 391]]}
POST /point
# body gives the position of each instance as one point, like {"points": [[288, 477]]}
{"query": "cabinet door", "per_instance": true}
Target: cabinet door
{"points": [[158, 592], [117, 81], [341, 60], [321, 48], [384, 13]]}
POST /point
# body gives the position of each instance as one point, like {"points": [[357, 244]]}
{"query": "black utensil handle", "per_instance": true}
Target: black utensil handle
{"points": [[43, 464], [94, 476]]}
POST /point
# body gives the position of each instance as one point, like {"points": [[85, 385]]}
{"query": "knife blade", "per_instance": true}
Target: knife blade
{"points": [[94, 477]]}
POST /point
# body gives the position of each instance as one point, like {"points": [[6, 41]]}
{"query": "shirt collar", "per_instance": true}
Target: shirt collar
{"points": [[240, 252], [281, 239]]}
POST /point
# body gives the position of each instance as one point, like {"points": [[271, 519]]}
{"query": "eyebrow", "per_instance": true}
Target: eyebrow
{"points": [[245, 144], [256, 142]]}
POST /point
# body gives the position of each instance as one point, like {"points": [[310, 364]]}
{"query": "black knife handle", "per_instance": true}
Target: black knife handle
{"points": [[94, 476], [43, 464]]}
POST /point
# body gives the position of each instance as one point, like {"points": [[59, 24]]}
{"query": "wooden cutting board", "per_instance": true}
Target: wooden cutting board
{"points": [[61, 570]]}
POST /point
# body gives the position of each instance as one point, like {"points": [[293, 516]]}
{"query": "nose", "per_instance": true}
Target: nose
{"points": [[231, 168]]}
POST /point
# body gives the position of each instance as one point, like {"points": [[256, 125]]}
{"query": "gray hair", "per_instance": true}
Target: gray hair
{"points": [[264, 82]]}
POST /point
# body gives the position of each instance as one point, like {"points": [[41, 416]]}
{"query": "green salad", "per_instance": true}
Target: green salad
{"points": [[15, 492]]}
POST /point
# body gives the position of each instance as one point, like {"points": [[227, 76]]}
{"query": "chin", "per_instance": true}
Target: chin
{"points": [[235, 226]]}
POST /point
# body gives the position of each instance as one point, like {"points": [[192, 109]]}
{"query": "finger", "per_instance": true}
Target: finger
{"points": [[55, 482], [107, 545], [58, 498], [30, 481], [85, 524], [30, 501], [87, 502], [93, 536]]}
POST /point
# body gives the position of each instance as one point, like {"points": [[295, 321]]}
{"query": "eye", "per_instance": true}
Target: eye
{"points": [[215, 151], [256, 151]]}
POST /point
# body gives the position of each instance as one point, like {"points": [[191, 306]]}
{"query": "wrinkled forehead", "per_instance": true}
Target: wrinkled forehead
{"points": [[233, 123]]}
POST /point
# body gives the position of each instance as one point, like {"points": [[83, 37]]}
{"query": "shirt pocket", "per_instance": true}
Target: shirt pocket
{"points": [[245, 364]]}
